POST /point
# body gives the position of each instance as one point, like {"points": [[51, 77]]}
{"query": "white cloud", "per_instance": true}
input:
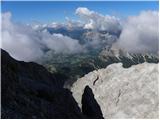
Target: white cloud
{"points": [[16, 39], [98, 21], [24, 43], [61, 44], [71, 24], [140, 33], [84, 12], [94, 39]]}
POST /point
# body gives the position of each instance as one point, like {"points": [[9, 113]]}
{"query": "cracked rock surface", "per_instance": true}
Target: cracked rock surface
{"points": [[123, 92]]}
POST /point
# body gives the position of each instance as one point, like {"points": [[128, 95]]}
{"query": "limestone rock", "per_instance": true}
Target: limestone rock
{"points": [[123, 92]]}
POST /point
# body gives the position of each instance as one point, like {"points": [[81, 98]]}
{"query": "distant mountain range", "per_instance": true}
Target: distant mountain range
{"points": [[92, 39], [127, 59]]}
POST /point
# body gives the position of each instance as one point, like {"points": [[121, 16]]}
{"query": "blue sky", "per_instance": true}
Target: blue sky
{"points": [[50, 11]]}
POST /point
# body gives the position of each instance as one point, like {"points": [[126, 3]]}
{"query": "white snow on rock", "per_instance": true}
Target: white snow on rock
{"points": [[123, 92]]}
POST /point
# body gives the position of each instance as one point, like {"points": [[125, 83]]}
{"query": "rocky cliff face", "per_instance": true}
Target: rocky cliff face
{"points": [[122, 92], [113, 55], [30, 91]]}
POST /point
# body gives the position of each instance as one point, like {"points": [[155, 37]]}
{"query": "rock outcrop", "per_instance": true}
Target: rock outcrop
{"points": [[28, 90], [90, 107], [123, 92]]}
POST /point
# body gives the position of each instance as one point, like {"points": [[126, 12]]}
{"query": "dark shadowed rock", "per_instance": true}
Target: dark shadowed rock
{"points": [[90, 107], [30, 91]]}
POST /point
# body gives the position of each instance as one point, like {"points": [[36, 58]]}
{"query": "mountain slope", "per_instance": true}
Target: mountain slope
{"points": [[123, 92], [112, 55], [30, 91]]}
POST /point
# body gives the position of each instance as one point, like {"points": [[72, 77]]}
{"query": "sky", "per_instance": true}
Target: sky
{"points": [[54, 11]]}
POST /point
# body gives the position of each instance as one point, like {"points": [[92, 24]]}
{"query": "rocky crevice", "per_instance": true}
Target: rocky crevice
{"points": [[118, 97]]}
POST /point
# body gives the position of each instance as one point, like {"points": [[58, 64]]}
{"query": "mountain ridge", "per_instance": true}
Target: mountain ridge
{"points": [[30, 91]]}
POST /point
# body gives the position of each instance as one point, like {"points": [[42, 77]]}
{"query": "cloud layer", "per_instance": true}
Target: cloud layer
{"points": [[24, 43], [98, 21], [137, 34], [140, 33]]}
